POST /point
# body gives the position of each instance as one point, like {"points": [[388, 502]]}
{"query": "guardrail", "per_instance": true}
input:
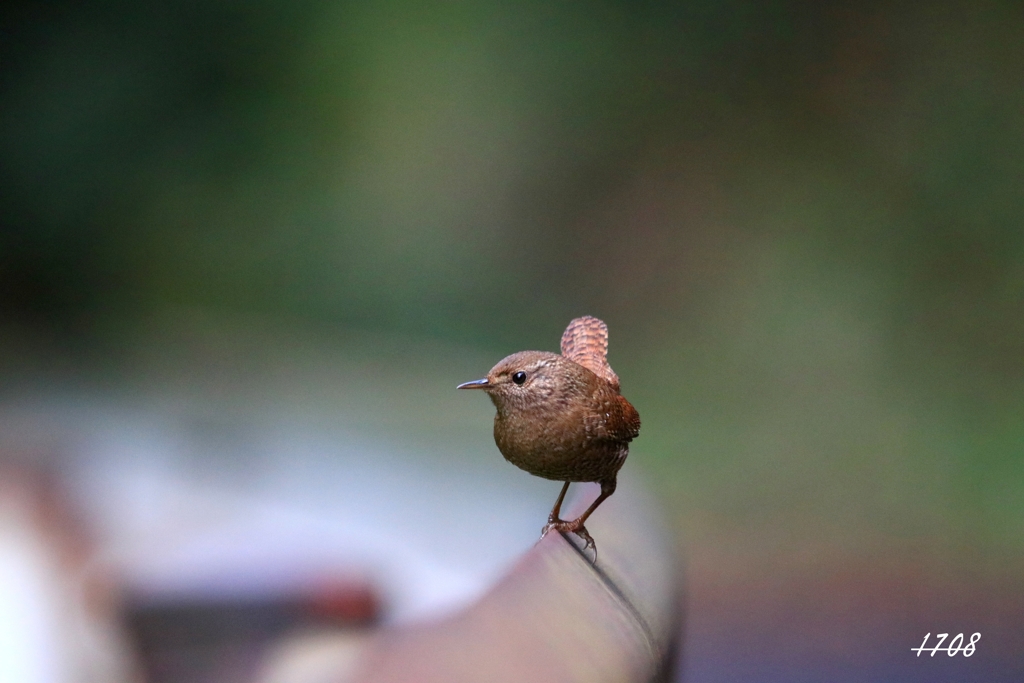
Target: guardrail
{"points": [[557, 616]]}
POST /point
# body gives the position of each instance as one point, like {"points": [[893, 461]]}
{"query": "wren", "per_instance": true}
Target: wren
{"points": [[562, 417]]}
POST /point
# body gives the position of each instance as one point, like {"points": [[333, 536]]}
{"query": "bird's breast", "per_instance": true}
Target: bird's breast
{"points": [[565, 445]]}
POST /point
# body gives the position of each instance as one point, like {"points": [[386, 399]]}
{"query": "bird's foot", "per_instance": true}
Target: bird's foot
{"points": [[552, 525], [561, 526]]}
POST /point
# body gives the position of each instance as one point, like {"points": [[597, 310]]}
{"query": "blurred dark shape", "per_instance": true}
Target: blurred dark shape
{"points": [[227, 641]]}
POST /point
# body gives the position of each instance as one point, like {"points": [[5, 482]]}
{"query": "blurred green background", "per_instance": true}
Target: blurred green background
{"points": [[801, 222]]}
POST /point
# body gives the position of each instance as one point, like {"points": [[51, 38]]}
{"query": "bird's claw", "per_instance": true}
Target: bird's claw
{"points": [[585, 535], [573, 527]]}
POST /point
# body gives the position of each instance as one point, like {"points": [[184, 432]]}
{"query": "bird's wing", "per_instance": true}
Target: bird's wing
{"points": [[616, 420], [585, 341], [630, 420]]}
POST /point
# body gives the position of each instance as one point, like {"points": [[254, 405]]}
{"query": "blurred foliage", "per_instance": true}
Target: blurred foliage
{"points": [[801, 220]]}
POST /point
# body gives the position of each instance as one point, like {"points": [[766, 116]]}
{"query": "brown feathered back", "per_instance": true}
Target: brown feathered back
{"points": [[585, 341]]}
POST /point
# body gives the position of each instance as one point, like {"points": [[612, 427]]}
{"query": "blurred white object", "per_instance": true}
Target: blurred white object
{"points": [[55, 626], [326, 657], [262, 508]]}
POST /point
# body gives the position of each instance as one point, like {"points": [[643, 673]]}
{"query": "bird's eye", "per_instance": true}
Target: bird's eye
{"points": [[519, 377]]}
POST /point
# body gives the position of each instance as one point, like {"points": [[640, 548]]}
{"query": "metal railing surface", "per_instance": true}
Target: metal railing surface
{"points": [[557, 616]]}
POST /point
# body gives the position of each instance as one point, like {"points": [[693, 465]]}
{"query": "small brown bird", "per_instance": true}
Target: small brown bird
{"points": [[562, 417]]}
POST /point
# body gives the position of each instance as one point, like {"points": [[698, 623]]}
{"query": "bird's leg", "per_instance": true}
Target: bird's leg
{"points": [[576, 525], [557, 510], [553, 518]]}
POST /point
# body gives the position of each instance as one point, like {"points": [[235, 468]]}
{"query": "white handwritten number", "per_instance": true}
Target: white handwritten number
{"points": [[970, 645], [951, 650]]}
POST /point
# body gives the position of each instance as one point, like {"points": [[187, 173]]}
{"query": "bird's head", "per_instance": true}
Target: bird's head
{"points": [[527, 379]]}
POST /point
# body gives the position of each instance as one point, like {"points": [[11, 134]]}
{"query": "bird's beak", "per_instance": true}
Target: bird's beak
{"points": [[475, 384]]}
